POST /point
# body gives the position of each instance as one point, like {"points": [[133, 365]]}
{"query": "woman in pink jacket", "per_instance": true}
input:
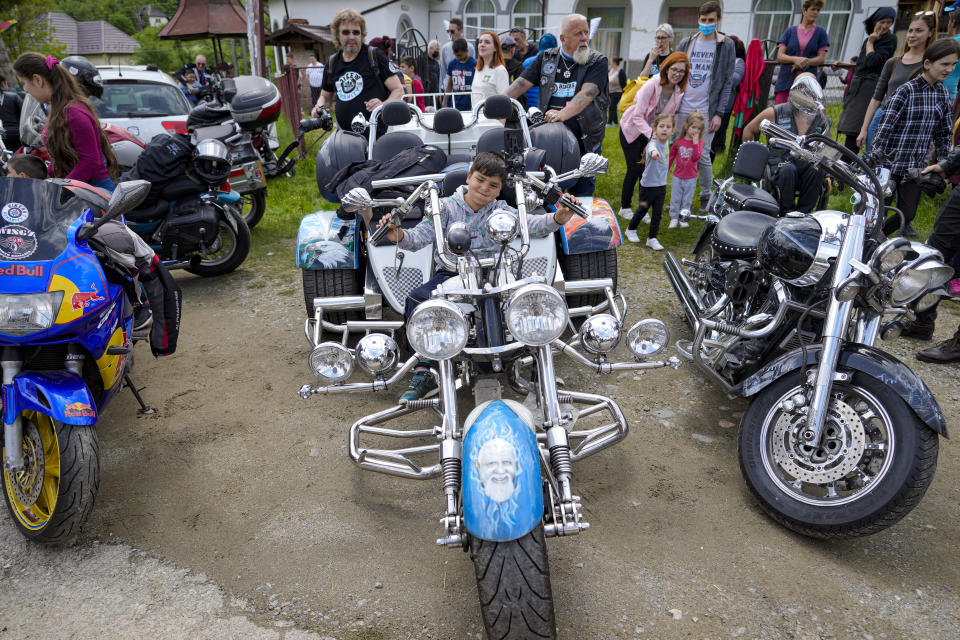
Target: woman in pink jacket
{"points": [[660, 94]]}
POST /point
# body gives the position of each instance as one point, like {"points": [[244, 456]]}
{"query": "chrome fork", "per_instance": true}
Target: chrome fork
{"points": [[834, 329], [13, 432]]}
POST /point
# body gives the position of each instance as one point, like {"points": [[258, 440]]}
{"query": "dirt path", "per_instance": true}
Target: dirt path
{"points": [[240, 480]]}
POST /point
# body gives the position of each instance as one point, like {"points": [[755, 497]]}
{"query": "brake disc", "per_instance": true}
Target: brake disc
{"points": [[28, 483], [843, 444]]}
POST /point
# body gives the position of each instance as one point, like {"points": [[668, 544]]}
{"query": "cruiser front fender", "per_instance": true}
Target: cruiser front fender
{"points": [[873, 362], [326, 241], [62, 395], [502, 494]]}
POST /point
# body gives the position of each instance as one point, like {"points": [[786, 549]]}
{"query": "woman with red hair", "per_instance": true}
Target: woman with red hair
{"points": [[662, 93], [492, 77]]}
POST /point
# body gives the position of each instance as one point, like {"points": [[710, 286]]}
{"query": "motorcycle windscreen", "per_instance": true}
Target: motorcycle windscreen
{"points": [[34, 219], [502, 494]]}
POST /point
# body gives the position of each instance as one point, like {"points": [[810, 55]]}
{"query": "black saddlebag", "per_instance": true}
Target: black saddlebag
{"points": [[190, 225]]}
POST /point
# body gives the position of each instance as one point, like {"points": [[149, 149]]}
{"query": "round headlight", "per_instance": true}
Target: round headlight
{"points": [[928, 300], [331, 360], [377, 353], [913, 281], [890, 254], [437, 330], [647, 338], [502, 226], [600, 333], [536, 314]]}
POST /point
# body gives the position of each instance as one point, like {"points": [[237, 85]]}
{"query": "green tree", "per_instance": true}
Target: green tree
{"points": [[32, 33], [169, 55]]}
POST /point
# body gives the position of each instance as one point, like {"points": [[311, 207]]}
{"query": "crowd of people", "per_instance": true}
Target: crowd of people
{"points": [[898, 106]]}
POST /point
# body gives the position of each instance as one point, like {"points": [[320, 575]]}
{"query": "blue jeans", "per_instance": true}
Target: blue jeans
{"points": [[104, 183], [872, 128]]}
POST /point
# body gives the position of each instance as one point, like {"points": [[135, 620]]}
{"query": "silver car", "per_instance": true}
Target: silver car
{"points": [[144, 101]]}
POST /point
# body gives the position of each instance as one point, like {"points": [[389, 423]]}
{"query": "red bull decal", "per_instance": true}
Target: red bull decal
{"points": [[22, 270], [82, 299], [79, 410]]}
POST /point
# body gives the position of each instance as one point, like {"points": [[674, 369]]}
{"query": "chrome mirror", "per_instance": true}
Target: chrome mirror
{"points": [[593, 164], [357, 199], [502, 226]]}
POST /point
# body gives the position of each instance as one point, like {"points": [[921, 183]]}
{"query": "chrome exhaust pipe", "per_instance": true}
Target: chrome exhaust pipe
{"points": [[684, 289]]}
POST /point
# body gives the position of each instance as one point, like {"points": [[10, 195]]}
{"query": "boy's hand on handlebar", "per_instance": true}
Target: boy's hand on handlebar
{"points": [[563, 213], [394, 233]]}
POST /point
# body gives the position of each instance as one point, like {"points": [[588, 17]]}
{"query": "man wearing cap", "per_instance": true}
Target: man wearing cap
{"points": [[513, 65]]}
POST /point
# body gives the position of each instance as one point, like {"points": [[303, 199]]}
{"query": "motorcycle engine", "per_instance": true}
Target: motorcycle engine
{"points": [[741, 281]]}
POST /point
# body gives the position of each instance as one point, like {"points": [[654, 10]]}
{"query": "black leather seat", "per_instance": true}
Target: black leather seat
{"points": [[746, 197], [737, 235], [751, 161], [453, 179], [491, 140], [149, 212], [393, 143], [448, 121], [180, 188]]}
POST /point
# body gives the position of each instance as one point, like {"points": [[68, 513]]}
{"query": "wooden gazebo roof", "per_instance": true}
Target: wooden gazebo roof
{"points": [[201, 19]]}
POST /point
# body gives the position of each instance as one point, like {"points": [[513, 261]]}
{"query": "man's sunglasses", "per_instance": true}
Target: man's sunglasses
{"points": [[451, 31], [350, 32]]}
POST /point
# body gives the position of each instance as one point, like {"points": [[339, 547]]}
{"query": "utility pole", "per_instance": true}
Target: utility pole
{"points": [[258, 59]]}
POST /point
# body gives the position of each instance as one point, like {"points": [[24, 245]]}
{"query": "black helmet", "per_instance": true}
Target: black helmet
{"points": [[211, 161], [86, 74]]}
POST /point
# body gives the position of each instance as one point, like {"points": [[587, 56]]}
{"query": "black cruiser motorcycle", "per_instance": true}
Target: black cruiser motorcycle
{"points": [[840, 439]]}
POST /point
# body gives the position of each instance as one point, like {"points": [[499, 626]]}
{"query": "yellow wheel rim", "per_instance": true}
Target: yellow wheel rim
{"points": [[32, 493]]}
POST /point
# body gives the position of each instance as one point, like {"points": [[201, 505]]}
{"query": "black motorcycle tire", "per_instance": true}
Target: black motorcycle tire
{"points": [[585, 266], [331, 283], [899, 490], [242, 242], [78, 463], [257, 201], [513, 582]]}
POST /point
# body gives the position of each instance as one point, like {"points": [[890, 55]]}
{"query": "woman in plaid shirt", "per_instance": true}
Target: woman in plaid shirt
{"points": [[918, 113]]}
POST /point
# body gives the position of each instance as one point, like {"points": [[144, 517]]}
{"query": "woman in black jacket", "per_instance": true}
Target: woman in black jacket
{"points": [[879, 46]]}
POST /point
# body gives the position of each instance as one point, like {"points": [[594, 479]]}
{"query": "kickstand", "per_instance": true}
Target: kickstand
{"points": [[144, 409]]}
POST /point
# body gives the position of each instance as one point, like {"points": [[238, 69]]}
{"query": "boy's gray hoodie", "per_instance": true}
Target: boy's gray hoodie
{"points": [[455, 209], [721, 76]]}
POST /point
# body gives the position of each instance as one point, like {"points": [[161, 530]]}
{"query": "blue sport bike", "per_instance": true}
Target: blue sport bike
{"points": [[67, 346]]}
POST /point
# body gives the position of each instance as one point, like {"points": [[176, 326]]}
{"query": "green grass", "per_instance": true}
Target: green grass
{"points": [[290, 199]]}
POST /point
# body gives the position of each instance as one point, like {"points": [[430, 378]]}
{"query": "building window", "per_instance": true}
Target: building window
{"points": [[772, 17], [403, 26], [834, 17], [478, 16], [683, 16], [609, 37], [528, 14]]}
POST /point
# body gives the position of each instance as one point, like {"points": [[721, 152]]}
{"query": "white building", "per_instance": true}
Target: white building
{"points": [[626, 27]]}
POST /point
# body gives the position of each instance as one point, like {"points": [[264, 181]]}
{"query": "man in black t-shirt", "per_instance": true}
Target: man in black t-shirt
{"points": [[357, 77], [524, 49], [573, 89]]}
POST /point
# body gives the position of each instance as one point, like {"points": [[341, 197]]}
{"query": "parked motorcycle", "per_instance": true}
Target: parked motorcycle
{"points": [[66, 334], [840, 439], [506, 465], [192, 218]]}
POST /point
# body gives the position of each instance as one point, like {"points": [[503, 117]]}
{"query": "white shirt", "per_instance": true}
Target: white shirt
{"points": [[315, 74], [489, 82], [697, 95]]}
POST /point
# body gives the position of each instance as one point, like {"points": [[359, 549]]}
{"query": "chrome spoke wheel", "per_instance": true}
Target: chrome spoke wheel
{"points": [[853, 456]]}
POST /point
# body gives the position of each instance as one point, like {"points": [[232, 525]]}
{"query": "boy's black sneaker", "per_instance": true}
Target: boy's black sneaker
{"points": [[142, 317]]}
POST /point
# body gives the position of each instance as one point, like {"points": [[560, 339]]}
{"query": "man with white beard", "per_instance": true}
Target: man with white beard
{"points": [[497, 468], [574, 89]]}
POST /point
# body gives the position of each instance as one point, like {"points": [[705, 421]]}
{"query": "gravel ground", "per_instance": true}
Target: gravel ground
{"points": [[235, 512]]}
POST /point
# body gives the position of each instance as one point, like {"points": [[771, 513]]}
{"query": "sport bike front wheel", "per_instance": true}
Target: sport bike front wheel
{"points": [[53, 496]]}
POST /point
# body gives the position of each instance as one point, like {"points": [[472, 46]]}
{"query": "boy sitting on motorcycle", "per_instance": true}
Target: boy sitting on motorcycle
{"points": [[26, 166], [471, 204]]}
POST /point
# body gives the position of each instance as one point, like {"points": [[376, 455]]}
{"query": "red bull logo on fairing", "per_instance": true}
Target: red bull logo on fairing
{"points": [[82, 299]]}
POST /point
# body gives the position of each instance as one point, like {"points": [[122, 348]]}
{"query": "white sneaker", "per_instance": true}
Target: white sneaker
{"points": [[684, 224], [654, 244], [646, 219], [626, 213], [673, 223], [632, 235]]}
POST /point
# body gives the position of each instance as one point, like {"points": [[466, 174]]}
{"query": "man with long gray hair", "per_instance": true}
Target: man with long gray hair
{"points": [[574, 89]]}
